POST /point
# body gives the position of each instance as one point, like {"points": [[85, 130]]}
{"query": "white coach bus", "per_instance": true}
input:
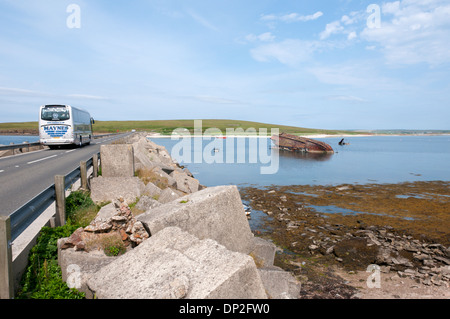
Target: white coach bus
{"points": [[64, 125]]}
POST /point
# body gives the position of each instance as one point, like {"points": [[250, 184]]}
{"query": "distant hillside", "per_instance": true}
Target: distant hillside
{"points": [[167, 126], [406, 131]]}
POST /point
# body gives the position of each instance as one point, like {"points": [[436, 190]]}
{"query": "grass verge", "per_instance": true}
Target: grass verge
{"points": [[42, 278]]}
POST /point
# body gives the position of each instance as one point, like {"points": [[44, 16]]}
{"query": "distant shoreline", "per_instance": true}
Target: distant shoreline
{"points": [[157, 135], [312, 135]]}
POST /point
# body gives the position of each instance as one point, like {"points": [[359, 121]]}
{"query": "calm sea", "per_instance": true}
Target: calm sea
{"points": [[374, 159], [8, 139]]}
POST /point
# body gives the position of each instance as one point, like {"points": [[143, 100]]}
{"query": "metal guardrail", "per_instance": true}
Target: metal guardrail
{"points": [[16, 146], [29, 212], [12, 226], [23, 145]]}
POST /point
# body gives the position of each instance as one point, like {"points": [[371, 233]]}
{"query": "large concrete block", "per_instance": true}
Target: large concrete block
{"points": [[279, 284], [77, 266], [263, 252], [184, 182], [152, 190], [167, 195], [214, 212], [175, 264], [117, 160], [105, 189]]}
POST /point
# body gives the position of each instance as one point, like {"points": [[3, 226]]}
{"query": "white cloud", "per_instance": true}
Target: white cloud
{"points": [[356, 76], [413, 31], [391, 7], [290, 51], [352, 35], [292, 17], [331, 28], [201, 20], [352, 18], [264, 37]]}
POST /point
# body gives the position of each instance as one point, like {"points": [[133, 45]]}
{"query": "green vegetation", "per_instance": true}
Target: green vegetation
{"points": [[42, 278], [167, 126]]}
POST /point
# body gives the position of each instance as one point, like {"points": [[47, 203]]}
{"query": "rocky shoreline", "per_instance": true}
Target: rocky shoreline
{"points": [[160, 234], [325, 250]]}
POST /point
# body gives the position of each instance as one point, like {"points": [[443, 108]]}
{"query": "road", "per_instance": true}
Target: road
{"points": [[24, 176]]}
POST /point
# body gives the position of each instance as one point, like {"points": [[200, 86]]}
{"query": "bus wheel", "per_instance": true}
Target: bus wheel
{"points": [[81, 141]]}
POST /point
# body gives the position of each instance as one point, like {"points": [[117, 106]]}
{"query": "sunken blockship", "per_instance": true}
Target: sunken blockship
{"points": [[300, 144]]}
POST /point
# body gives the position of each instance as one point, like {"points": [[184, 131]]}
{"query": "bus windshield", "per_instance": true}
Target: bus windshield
{"points": [[55, 113]]}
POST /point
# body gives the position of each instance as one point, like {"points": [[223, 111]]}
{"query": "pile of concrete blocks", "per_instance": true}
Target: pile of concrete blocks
{"points": [[119, 163], [200, 246]]}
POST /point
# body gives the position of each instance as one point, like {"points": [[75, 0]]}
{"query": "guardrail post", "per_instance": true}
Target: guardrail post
{"points": [[83, 175], [60, 202], [6, 278], [95, 165]]}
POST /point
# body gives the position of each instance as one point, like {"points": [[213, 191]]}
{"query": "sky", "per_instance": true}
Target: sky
{"points": [[331, 64]]}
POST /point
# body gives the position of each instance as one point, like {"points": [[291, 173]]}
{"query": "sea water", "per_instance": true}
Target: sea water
{"points": [[18, 139], [371, 159]]}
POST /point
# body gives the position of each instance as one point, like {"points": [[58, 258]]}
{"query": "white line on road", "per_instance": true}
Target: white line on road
{"points": [[1, 171], [70, 151], [42, 159]]}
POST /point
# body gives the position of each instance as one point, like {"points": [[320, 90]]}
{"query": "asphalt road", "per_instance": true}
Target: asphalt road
{"points": [[24, 176]]}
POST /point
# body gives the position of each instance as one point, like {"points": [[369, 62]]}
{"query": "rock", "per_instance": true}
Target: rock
{"points": [[76, 266], [279, 284], [442, 259], [355, 253], [117, 160], [75, 240], [214, 212], [263, 252], [329, 250], [104, 189], [150, 155], [428, 262], [106, 212], [168, 195], [151, 190], [138, 233], [421, 257], [145, 203], [184, 182], [98, 227], [175, 264], [171, 182]]}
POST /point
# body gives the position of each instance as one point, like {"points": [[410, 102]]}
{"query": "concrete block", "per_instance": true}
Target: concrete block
{"points": [[184, 182], [263, 252], [151, 155], [105, 189], [167, 195], [117, 160], [77, 266], [152, 190], [175, 264], [279, 284], [214, 212], [145, 203], [106, 212]]}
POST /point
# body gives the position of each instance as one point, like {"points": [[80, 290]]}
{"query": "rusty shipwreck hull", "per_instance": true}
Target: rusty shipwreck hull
{"points": [[300, 144]]}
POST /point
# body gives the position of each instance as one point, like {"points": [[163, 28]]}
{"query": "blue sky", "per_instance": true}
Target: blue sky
{"points": [[335, 64]]}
